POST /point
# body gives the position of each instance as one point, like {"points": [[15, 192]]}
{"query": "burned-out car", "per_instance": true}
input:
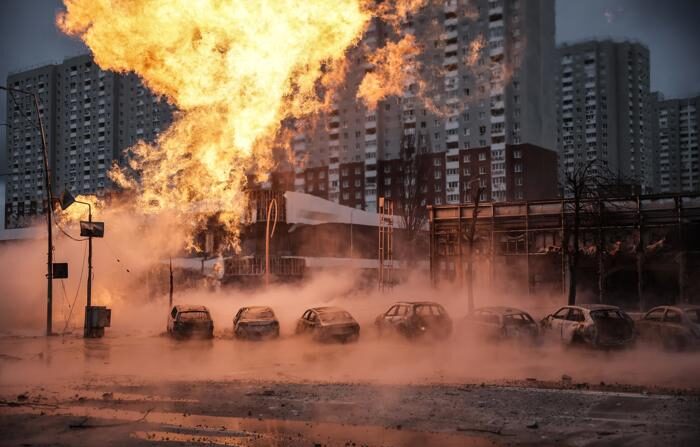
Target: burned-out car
{"points": [[673, 327], [187, 320], [416, 319], [256, 322], [596, 325], [328, 324], [501, 323]]}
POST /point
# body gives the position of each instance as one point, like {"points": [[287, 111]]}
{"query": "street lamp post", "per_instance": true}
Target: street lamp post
{"points": [[49, 202], [66, 200]]}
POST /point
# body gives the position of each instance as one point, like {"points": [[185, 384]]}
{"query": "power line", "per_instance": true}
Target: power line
{"points": [[77, 291]]}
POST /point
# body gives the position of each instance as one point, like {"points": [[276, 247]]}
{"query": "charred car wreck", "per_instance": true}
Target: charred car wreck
{"points": [[256, 323], [596, 325], [328, 324], [673, 327], [186, 321], [502, 323], [416, 319]]}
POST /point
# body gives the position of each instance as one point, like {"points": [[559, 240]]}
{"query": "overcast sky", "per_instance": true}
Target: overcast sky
{"points": [[671, 29]]}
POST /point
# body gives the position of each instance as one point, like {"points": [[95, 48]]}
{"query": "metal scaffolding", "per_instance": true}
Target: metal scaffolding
{"points": [[532, 238], [386, 238]]}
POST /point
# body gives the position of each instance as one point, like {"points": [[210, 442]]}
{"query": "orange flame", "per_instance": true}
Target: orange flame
{"points": [[394, 69], [235, 70]]}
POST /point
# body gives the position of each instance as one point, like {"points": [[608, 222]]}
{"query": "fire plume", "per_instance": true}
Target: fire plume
{"points": [[235, 70]]}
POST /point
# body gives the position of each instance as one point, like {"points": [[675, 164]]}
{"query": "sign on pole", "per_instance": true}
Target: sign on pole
{"points": [[92, 229], [60, 270]]}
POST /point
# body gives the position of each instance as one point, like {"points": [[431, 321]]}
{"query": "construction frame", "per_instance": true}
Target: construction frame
{"points": [[648, 244]]}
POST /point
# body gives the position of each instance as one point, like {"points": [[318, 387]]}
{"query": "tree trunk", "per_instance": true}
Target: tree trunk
{"points": [[470, 278], [572, 283]]}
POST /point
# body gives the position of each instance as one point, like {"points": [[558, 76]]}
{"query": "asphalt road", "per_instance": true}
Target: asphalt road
{"points": [[146, 389]]}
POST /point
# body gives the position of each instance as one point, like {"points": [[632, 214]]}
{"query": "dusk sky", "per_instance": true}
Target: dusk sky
{"points": [[28, 36]]}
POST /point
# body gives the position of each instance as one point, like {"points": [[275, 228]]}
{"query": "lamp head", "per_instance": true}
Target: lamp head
{"points": [[67, 199]]}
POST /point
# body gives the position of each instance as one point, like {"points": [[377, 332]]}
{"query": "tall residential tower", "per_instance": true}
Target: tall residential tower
{"points": [[603, 109], [489, 68]]}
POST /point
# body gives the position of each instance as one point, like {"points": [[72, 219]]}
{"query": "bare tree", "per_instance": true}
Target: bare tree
{"points": [[586, 188], [414, 163], [471, 236]]}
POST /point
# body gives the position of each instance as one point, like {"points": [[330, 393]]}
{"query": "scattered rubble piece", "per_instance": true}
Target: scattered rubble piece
{"points": [[22, 397], [107, 396], [533, 425], [566, 378]]}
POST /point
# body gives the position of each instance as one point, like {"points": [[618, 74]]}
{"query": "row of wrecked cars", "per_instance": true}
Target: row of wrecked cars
{"points": [[411, 319], [595, 325]]}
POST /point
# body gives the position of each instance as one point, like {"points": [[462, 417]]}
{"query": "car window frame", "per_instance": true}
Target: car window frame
{"points": [[661, 310], [565, 308], [668, 311], [573, 311]]}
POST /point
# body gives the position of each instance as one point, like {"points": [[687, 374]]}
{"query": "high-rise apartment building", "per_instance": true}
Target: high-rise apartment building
{"points": [[676, 153], [489, 67], [603, 109], [90, 116]]}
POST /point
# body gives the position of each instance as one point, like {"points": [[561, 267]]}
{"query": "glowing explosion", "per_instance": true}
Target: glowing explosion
{"points": [[234, 70]]}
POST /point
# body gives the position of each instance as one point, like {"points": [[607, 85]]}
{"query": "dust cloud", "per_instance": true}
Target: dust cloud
{"points": [[136, 345]]}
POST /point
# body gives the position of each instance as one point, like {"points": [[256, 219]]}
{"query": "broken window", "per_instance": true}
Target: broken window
{"points": [[655, 315]]}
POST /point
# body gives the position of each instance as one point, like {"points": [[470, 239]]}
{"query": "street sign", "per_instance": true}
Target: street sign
{"points": [[60, 270], [92, 229]]}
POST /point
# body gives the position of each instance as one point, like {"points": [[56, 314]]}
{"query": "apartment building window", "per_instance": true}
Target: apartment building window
{"points": [[518, 167], [519, 181], [517, 154], [482, 170], [467, 172], [438, 175], [467, 158], [482, 156], [346, 196]]}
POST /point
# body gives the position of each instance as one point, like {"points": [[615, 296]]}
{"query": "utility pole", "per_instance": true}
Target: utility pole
{"points": [[268, 235], [170, 295], [66, 200], [49, 211]]}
